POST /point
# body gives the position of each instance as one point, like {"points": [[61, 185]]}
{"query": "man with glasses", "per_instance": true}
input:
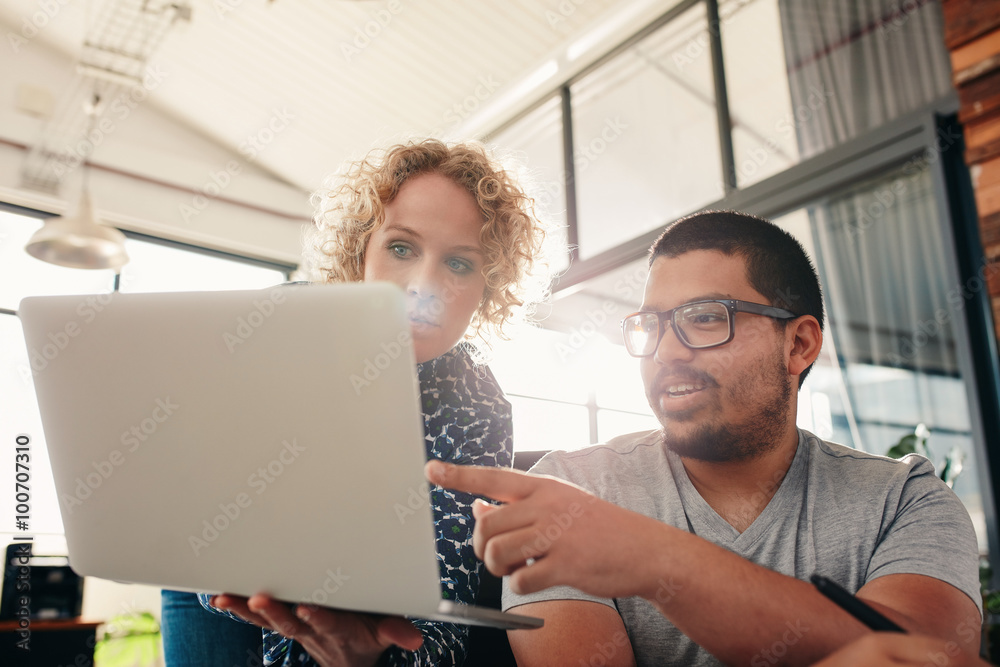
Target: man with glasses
{"points": [[694, 544]]}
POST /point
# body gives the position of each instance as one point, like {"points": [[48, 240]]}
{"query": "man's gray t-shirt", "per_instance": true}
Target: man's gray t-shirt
{"points": [[838, 512]]}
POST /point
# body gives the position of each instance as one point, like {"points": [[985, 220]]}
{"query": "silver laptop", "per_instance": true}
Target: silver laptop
{"points": [[242, 442]]}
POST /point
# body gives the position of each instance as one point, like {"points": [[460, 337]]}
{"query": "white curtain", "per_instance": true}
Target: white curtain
{"points": [[880, 252], [855, 64]]}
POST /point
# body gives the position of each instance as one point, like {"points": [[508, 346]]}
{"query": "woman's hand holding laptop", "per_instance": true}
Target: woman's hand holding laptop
{"points": [[330, 637]]}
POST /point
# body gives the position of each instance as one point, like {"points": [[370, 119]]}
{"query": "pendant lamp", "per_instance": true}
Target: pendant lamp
{"points": [[79, 241]]}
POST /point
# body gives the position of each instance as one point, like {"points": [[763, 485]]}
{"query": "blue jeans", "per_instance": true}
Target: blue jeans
{"points": [[195, 637]]}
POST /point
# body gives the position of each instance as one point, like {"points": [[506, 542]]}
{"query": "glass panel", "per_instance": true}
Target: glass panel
{"points": [[536, 141], [542, 425], [539, 363], [646, 138], [154, 267], [889, 360], [22, 275], [578, 359], [760, 105], [854, 65], [804, 76]]}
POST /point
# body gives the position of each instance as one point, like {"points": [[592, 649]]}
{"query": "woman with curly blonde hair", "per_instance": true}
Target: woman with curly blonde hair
{"points": [[353, 208], [456, 232]]}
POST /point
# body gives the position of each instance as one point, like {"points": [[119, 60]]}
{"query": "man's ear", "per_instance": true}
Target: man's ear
{"points": [[805, 338]]}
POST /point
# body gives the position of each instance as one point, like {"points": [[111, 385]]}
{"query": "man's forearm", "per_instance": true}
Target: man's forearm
{"points": [[744, 613]]}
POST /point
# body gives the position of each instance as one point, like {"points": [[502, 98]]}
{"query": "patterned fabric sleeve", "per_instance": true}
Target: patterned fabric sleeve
{"points": [[467, 420], [204, 598]]}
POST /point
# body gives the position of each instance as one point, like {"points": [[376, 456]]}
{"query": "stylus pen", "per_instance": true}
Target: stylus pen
{"points": [[853, 606]]}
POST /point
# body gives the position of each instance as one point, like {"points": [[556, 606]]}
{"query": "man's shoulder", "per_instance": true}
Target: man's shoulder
{"points": [[639, 449], [840, 460]]}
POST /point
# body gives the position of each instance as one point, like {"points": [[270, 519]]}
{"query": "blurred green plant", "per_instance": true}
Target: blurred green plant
{"points": [[991, 607], [129, 640], [916, 443]]}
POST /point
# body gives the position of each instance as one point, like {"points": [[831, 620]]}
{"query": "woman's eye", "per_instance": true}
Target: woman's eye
{"points": [[400, 250], [459, 265]]}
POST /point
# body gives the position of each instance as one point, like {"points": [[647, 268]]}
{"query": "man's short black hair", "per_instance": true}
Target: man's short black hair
{"points": [[776, 263]]}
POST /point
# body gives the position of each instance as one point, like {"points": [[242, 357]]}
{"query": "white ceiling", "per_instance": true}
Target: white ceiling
{"points": [[353, 74]]}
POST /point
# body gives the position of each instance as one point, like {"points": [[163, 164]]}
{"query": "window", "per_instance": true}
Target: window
{"points": [[890, 358], [645, 134], [803, 76], [572, 384], [153, 267], [817, 92], [536, 140]]}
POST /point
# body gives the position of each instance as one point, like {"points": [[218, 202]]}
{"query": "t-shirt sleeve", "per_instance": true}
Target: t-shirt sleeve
{"points": [[930, 533], [549, 465]]}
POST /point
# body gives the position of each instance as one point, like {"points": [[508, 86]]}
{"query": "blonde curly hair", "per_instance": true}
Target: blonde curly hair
{"points": [[351, 206]]}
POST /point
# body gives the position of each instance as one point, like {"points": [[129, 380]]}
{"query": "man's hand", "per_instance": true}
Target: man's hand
{"points": [[550, 533], [332, 638], [538, 535], [878, 649]]}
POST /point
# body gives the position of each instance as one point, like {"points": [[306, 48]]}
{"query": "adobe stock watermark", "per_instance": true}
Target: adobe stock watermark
{"points": [[416, 499], [944, 139], [372, 367], [931, 328], [604, 652], [461, 110], [887, 196], [628, 288], [885, 199], [561, 522], [562, 11], [71, 157], [224, 7], [899, 13], [968, 631], [773, 654], [131, 440], [231, 510], [220, 179], [700, 44], [247, 325], [19, 569], [584, 156], [89, 309], [784, 129], [365, 34], [36, 22], [333, 582], [588, 152]]}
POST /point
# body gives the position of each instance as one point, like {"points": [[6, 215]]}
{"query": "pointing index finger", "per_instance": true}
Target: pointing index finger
{"points": [[496, 483]]}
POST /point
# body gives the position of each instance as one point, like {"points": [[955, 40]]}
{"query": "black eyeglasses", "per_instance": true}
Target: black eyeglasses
{"points": [[698, 325]]}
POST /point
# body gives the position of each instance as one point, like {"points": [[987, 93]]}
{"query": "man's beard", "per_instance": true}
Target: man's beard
{"points": [[719, 441]]}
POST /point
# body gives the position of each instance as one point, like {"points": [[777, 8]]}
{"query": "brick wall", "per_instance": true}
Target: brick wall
{"points": [[972, 34]]}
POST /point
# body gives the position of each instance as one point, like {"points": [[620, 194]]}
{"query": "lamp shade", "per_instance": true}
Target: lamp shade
{"points": [[79, 242]]}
